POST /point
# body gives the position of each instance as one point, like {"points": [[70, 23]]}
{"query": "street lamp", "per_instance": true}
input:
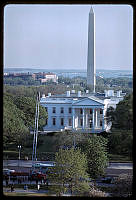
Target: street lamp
{"points": [[19, 149]]}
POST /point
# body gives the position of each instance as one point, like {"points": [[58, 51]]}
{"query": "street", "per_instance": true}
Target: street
{"points": [[113, 170]]}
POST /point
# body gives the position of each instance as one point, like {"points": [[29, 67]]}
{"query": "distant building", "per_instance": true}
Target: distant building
{"points": [[79, 112], [45, 77], [50, 77], [20, 75]]}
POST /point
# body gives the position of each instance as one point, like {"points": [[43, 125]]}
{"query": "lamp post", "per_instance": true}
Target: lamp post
{"points": [[19, 150]]}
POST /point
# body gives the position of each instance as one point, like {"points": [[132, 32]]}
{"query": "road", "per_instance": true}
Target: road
{"points": [[28, 163], [114, 169]]}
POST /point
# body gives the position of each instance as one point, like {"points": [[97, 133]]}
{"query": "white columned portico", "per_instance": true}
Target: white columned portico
{"points": [[73, 124], [83, 118]]}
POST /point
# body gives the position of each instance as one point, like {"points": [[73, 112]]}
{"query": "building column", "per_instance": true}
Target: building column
{"points": [[96, 115], [73, 124], [83, 118], [93, 121], [103, 126], [86, 120]]}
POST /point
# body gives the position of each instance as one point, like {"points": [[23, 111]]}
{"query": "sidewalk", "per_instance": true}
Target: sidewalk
{"points": [[19, 190]]}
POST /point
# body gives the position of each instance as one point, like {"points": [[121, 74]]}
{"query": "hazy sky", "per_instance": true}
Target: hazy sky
{"points": [[56, 36]]}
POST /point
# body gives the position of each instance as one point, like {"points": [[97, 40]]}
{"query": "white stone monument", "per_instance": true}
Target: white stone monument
{"points": [[91, 71]]}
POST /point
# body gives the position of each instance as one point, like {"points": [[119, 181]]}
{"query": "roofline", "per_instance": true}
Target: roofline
{"points": [[88, 98]]}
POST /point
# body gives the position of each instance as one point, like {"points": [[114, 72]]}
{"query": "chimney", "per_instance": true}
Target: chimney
{"points": [[68, 93], [73, 91], [119, 93], [43, 96], [79, 93], [106, 93]]}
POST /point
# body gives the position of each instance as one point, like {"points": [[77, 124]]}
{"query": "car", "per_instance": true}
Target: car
{"points": [[37, 176], [107, 179], [8, 171]]}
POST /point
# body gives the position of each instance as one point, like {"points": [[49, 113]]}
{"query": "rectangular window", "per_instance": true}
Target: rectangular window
{"points": [[54, 110], [62, 121], [90, 111], [81, 122], [61, 110], [100, 122], [81, 111], [101, 111], [70, 122], [70, 110], [54, 121], [46, 109]]}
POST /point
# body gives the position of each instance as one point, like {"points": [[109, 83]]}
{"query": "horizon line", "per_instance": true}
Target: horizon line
{"points": [[63, 69]]}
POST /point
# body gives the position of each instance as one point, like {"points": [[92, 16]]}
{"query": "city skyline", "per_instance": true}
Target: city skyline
{"points": [[56, 36]]}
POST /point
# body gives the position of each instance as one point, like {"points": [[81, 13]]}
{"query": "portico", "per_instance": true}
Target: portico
{"points": [[88, 115], [90, 120]]}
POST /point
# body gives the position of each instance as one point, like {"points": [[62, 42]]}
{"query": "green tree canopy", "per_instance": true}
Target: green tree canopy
{"points": [[122, 116], [70, 168], [18, 117], [96, 150]]}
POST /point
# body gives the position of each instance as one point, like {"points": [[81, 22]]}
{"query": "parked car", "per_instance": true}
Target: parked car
{"points": [[8, 171], [37, 176], [107, 179]]}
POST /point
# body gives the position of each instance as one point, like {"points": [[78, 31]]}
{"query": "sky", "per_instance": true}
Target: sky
{"points": [[56, 36]]}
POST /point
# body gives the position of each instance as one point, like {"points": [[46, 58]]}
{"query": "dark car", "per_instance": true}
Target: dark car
{"points": [[107, 180]]}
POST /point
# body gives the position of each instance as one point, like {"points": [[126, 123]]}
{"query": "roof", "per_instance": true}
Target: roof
{"points": [[84, 101], [88, 101]]}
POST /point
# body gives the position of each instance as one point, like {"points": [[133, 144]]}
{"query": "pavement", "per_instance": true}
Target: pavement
{"points": [[28, 163], [120, 166]]}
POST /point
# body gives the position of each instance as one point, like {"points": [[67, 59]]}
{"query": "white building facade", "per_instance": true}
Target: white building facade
{"points": [[84, 113]]}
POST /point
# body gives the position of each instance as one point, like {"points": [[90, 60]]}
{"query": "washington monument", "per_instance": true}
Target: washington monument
{"points": [[91, 71]]}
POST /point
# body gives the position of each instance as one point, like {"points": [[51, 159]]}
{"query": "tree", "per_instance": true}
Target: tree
{"points": [[97, 157], [120, 142], [122, 117], [27, 105], [70, 168], [18, 117], [13, 124]]}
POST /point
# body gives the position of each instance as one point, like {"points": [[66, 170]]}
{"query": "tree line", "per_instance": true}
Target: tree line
{"points": [[18, 118]]}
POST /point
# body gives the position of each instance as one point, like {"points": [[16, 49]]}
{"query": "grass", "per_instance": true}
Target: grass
{"points": [[46, 148]]}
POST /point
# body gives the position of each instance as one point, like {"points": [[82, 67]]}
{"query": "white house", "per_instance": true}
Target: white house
{"points": [[78, 112]]}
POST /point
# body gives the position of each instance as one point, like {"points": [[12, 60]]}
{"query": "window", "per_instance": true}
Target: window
{"points": [[54, 110], [90, 111], [81, 122], [62, 121], [70, 110], [100, 122], [70, 122], [81, 111], [46, 109], [61, 110], [101, 111], [54, 121]]}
